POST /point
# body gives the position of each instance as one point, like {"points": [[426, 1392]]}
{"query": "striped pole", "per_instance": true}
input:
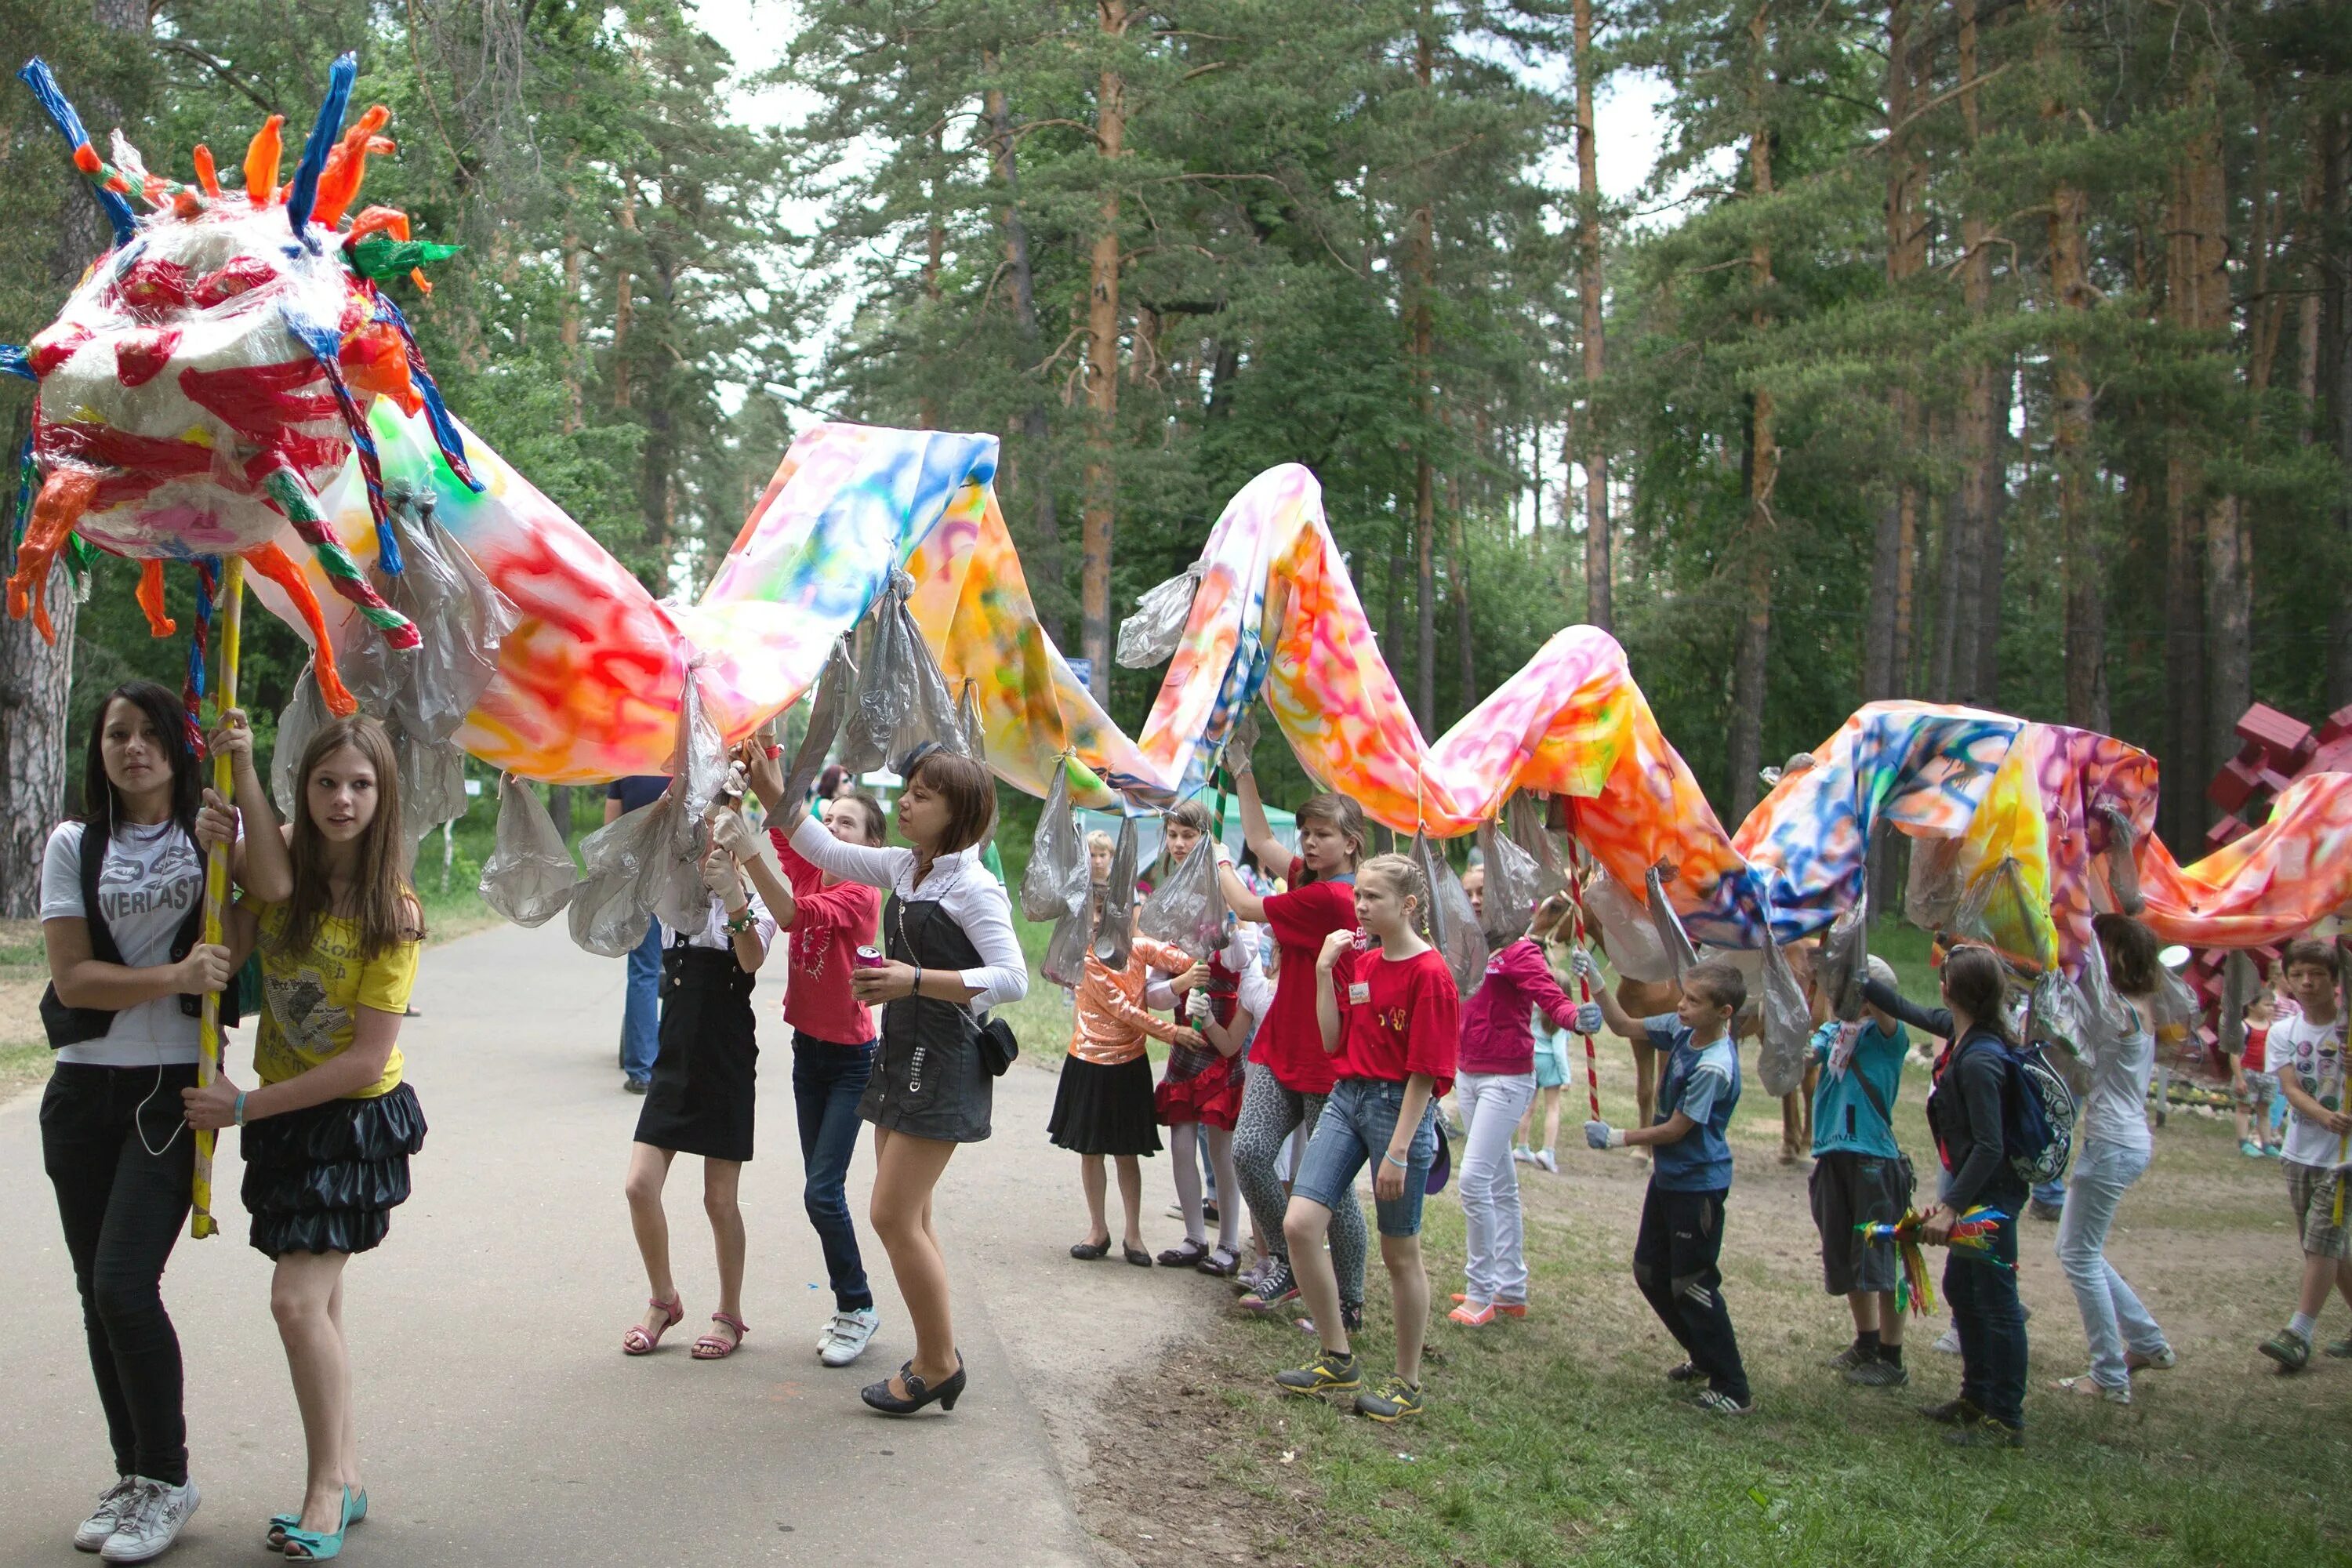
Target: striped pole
{"points": [[201, 1223], [1584, 999]]}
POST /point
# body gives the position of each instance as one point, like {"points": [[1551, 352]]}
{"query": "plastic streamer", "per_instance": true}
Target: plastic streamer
{"points": [[1114, 938], [1187, 906], [1151, 636], [1056, 885], [1453, 923], [1844, 961], [825, 722], [1673, 941], [1788, 1025], [1509, 899]]}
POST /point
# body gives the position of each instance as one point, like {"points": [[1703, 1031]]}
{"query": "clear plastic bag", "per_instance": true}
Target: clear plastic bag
{"points": [[1054, 885], [968, 720], [1844, 961], [1149, 635], [1116, 939], [1998, 908], [1187, 906], [1453, 923], [831, 700], [432, 786], [529, 875], [1065, 953], [1931, 893], [460, 615], [614, 898], [2057, 1013], [1673, 941], [700, 760], [1510, 895], [304, 713], [1625, 932], [1240, 741], [902, 698], [1788, 1025], [1524, 816]]}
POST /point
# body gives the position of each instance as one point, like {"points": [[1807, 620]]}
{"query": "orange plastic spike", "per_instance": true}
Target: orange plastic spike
{"points": [[65, 495], [272, 562], [391, 220], [151, 599], [261, 161], [206, 175], [347, 165]]}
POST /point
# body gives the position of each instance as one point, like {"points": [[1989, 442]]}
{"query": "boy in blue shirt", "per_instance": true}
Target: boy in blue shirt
{"points": [[1680, 1242], [1861, 1177]]}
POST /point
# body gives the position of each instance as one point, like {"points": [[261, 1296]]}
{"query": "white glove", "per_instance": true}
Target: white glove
{"points": [[732, 834], [718, 876], [1583, 964], [1196, 1006]]}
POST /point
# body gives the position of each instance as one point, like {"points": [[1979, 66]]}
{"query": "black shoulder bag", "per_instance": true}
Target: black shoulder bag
{"points": [[71, 1026]]}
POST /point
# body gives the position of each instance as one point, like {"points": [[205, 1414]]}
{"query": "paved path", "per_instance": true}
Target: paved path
{"points": [[498, 1420]]}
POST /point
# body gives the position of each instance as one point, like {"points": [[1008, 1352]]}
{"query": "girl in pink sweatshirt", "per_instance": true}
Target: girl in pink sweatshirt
{"points": [[1494, 1084]]}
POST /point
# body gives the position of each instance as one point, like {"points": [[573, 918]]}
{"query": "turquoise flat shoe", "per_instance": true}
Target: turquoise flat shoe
{"points": [[274, 1538], [316, 1545]]}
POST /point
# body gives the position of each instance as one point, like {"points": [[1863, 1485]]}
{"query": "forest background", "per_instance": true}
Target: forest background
{"points": [[1985, 351]]}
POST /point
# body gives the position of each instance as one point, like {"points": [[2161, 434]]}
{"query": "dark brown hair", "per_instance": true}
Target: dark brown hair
{"points": [[1722, 984], [970, 794], [2131, 949], [163, 710], [1334, 810], [877, 821], [1195, 815], [1974, 985], [2308, 950], [383, 905]]}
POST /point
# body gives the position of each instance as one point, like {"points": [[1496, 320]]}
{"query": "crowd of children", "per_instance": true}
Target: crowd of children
{"points": [[1296, 1057]]}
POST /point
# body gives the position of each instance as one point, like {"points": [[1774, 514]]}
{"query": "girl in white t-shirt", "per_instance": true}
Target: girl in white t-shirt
{"points": [[126, 976]]}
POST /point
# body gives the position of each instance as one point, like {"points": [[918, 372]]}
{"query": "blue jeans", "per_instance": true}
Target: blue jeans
{"points": [[1985, 1309], [641, 1006], [2051, 1192], [1357, 1123], [828, 1080], [2113, 1317]]}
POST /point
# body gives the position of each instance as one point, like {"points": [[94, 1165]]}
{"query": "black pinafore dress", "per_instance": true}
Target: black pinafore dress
{"points": [[928, 1081], [703, 1097]]}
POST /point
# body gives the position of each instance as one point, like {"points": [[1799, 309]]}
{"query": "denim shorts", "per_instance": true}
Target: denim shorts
{"points": [[1357, 1121]]}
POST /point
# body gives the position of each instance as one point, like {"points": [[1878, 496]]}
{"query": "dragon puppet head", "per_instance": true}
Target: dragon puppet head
{"points": [[212, 372]]}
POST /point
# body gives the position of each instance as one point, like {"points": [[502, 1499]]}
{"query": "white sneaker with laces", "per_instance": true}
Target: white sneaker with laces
{"points": [[846, 1337], [114, 1505], [1948, 1341], [1549, 1161], [154, 1520]]}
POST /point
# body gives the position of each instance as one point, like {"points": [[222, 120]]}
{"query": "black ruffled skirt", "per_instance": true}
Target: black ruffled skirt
{"points": [[327, 1178], [1103, 1110]]}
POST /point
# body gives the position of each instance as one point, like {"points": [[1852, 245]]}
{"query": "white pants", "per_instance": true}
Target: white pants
{"points": [[1497, 1263]]}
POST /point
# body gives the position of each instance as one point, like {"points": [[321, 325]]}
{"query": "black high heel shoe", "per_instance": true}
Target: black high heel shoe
{"points": [[919, 1394]]}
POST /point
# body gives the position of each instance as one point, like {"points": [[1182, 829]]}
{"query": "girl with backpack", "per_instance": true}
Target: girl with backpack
{"points": [[1967, 1110]]}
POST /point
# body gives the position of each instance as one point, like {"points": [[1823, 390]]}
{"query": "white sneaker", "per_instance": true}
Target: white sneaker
{"points": [[1948, 1341], [114, 1506], [846, 1337], [153, 1522], [1522, 1155], [1544, 1157]]}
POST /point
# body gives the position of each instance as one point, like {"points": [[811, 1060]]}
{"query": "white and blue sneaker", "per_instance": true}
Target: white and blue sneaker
{"points": [[114, 1506], [153, 1522], [845, 1338]]}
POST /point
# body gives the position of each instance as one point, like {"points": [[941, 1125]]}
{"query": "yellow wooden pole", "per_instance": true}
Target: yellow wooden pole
{"points": [[227, 603]]}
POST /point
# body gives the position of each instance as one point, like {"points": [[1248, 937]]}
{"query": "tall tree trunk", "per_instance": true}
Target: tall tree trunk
{"points": [[1102, 368], [2229, 545], [1457, 567], [1974, 621], [1760, 466], [1887, 651], [1424, 264], [35, 674], [2336, 369], [623, 296], [1991, 532], [1599, 573], [2085, 639], [935, 242], [1034, 432], [2189, 286]]}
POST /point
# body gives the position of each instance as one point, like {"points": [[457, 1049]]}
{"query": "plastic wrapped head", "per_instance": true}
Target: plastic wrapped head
{"points": [[213, 370]]}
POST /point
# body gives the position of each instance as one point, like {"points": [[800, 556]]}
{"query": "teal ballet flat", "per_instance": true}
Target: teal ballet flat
{"points": [[274, 1537], [316, 1545]]}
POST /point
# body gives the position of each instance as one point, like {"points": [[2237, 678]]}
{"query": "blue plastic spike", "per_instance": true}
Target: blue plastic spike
{"points": [[37, 75], [437, 413], [15, 360], [323, 132]]}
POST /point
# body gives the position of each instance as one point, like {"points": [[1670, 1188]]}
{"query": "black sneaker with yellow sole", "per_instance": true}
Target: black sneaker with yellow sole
{"points": [[1327, 1373], [1393, 1400]]}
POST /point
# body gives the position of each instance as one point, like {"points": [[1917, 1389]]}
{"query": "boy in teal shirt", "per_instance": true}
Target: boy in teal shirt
{"points": [[1860, 1177]]}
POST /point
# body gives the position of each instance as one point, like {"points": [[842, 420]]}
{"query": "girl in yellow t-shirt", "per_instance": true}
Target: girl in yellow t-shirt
{"points": [[328, 1132]]}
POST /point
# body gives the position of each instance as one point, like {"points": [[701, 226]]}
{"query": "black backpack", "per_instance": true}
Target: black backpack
{"points": [[71, 1026]]}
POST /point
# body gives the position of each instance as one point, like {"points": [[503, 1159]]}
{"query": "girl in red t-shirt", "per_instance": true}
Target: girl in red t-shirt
{"points": [[1391, 1019], [1289, 1076]]}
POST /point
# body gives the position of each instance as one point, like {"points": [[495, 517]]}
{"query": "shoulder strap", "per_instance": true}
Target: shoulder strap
{"points": [[1870, 1093]]}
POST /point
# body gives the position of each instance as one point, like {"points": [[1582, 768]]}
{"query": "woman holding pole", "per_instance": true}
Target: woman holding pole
{"points": [[121, 907]]}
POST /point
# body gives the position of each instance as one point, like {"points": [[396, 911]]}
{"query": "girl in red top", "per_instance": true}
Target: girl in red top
{"points": [[1390, 1017], [833, 1032], [1290, 1075]]}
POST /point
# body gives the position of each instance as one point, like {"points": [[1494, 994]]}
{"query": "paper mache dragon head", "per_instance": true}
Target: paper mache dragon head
{"points": [[213, 370]]}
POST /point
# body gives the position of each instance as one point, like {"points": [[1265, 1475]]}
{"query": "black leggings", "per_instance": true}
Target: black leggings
{"points": [[123, 1208]]}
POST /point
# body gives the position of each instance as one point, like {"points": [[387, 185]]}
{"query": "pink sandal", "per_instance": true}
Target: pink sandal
{"points": [[711, 1347], [636, 1341]]}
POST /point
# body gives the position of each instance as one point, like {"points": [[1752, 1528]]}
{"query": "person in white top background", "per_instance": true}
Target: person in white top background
{"points": [[2307, 1051], [122, 906], [2112, 1150]]}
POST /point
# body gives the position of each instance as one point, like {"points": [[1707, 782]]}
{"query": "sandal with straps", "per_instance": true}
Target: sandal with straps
{"points": [[637, 1341], [711, 1347]]}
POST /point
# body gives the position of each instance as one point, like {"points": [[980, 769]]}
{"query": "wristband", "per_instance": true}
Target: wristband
{"points": [[1617, 1138], [237, 1111], [1400, 1164], [918, 991]]}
